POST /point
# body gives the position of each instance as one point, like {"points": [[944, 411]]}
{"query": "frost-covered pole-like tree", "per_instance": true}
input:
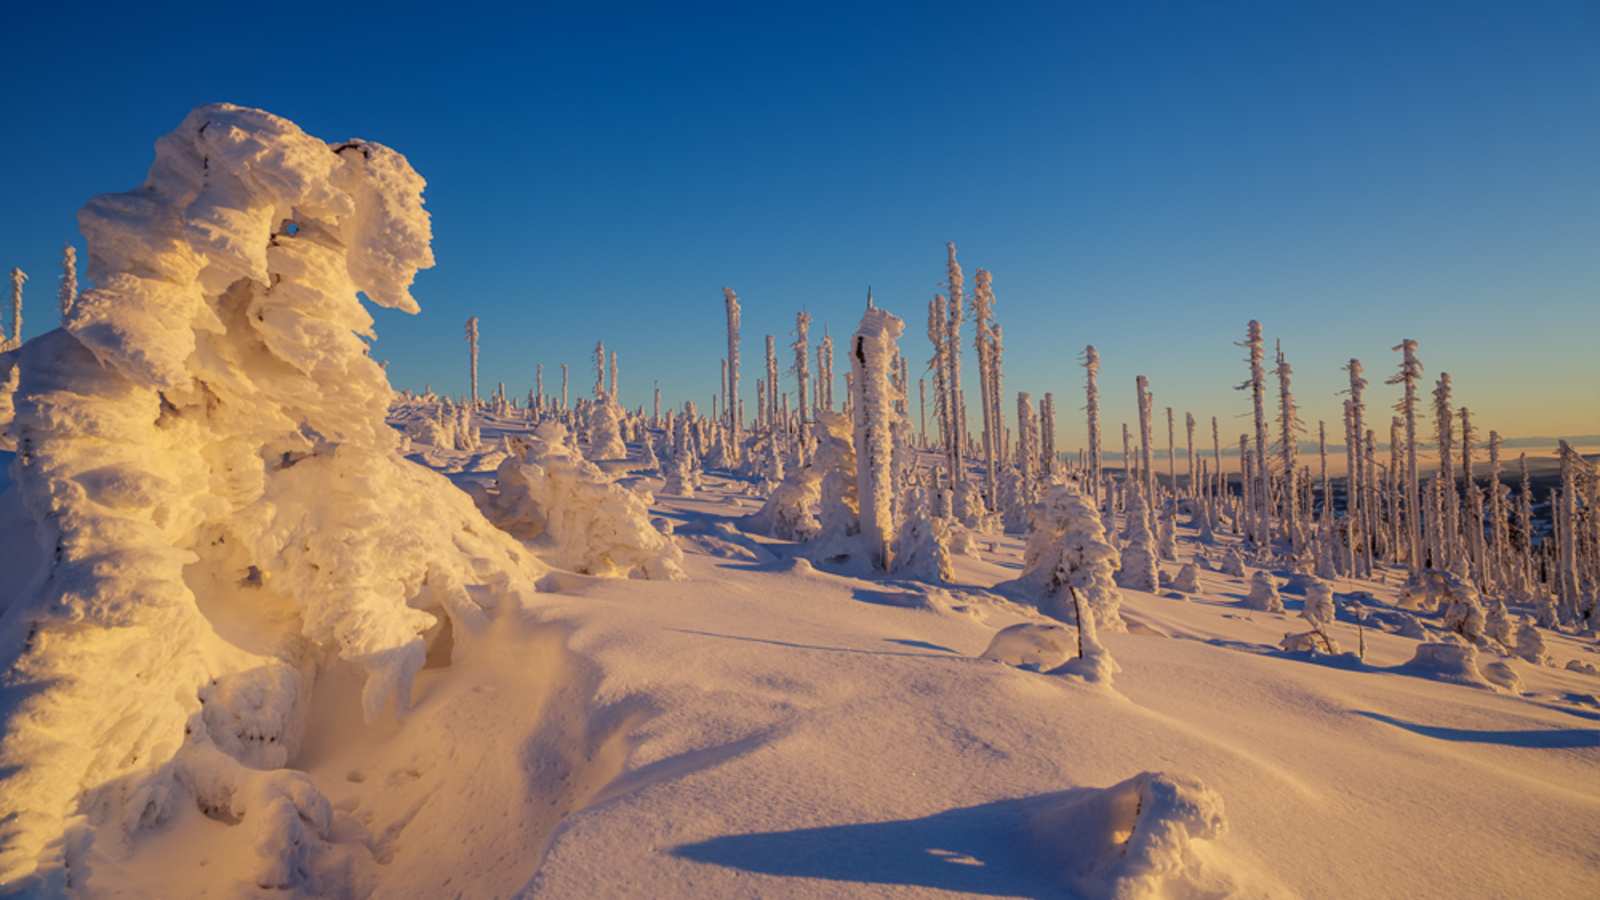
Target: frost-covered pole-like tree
{"points": [[1091, 396], [1288, 428], [472, 357], [1472, 515], [1142, 385], [1410, 372], [1172, 453], [68, 293], [982, 312], [731, 301], [1027, 451], [1565, 513], [1525, 517], [1444, 430], [612, 391], [1188, 428], [1262, 495], [655, 405], [872, 409], [1216, 458], [538, 386], [1497, 568], [1322, 454], [997, 354], [825, 371], [1356, 507], [599, 370], [952, 324], [770, 414], [802, 356], [1047, 437], [1130, 466], [1395, 472]]}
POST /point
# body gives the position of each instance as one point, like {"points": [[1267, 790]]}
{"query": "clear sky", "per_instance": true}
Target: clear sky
{"points": [[1144, 177]]}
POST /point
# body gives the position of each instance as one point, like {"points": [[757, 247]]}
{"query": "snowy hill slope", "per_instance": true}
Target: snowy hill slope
{"points": [[768, 729]]}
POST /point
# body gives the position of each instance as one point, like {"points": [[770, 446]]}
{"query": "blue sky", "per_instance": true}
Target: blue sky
{"points": [[1144, 177]]}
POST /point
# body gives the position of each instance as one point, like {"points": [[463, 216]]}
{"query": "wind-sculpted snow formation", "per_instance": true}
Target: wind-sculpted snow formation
{"points": [[219, 508], [552, 495]]}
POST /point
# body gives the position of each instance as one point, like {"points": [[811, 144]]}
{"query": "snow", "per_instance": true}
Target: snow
{"points": [[259, 638]]}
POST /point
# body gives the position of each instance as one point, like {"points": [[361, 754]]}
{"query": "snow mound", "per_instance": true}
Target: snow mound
{"points": [[552, 496], [1036, 646], [1448, 659], [1143, 838], [224, 509]]}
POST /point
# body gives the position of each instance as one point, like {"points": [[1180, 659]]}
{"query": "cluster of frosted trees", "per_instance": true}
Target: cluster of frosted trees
{"points": [[896, 484]]}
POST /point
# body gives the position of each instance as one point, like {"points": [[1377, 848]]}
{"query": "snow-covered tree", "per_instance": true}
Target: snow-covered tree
{"points": [[472, 357], [18, 279], [1138, 569], [252, 457], [732, 412], [558, 501], [1264, 594], [1069, 562], [802, 354], [1261, 514], [67, 294], [1408, 376], [872, 411], [1091, 392]]}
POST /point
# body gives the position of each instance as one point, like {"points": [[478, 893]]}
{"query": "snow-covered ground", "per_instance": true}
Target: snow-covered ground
{"points": [[765, 728], [261, 640]]}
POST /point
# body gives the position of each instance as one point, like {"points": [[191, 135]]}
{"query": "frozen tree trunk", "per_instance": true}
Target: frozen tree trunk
{"points": [[770, 413], [825, 372], [733, 412], [1091, 393], [1496, 577], [982, 310], [1146, 470], [872, 410], [1322, 455], [1394, 488], [1359, 475], [655, 405], [1472, 514], [1026, 451], [599, 370], [1566, 514], [612, 377], [1172, 453], [472, 357], [1047, 439], [952, 324], [1247, 489], [1410, 372], [67, 295], [1130, 468], [941, 370], [1525, 519], [1221, 490], [1193, 476], [1288, 428], [538, 386], [1444, 429], [802, 356], [997, 352], [1262, 511]]}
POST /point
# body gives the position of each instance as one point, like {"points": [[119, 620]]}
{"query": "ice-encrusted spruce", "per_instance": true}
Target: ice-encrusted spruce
{"points": [[206, 437]]}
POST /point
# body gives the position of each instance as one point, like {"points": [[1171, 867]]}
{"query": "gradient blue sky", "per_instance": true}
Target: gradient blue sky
{"points": [[1145, 177]]}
